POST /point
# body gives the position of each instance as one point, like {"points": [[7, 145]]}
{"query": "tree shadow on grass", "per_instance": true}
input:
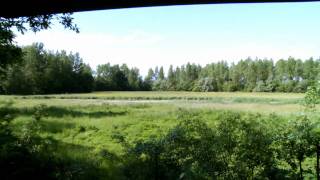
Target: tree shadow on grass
{"points": [[54, 160], [56, 126], [75, 161], [54, 111], [30, 156], [59, 112]]}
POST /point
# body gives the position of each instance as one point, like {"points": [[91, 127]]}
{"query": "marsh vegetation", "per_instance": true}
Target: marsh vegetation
{"points": [[186, 135]]}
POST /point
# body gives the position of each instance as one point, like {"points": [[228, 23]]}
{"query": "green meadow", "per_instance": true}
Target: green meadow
{"points": [[93, 134], [239, 101]]}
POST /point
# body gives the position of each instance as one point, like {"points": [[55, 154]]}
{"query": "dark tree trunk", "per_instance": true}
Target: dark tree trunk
{"points": [[318, 154], [156, 170], [301, 170]]}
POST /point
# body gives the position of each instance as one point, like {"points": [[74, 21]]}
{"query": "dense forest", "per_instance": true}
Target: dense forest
{"points": [[39, 71]]}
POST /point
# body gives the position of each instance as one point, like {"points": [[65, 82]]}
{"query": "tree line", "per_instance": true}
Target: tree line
{"points": [[35, 70], [42, 71]]}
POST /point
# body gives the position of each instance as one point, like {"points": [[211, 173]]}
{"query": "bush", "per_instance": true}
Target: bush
{"points": [[264, 87], [301, 87], [237, 147], [230, 87], [205, 85]]}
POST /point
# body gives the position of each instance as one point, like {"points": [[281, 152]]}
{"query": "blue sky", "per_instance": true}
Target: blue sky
{"points": [[146, 37]]}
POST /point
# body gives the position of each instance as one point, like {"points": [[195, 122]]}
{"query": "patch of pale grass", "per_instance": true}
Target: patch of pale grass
{"points": [[247, 107], [167, 94]]}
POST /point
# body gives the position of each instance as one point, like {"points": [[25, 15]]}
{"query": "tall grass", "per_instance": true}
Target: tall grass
{"points": [[89, 138]]}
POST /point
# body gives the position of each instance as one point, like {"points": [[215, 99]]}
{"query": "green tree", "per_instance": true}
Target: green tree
{"points": [[149, 79], [171, 79], [296, 143], [134, 79], [42, 72], [161, 74], [205, 85], [312, 97], [9, 52]]}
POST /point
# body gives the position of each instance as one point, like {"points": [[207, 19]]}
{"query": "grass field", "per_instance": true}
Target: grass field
{"points": [[86, 124], [240, 101]]}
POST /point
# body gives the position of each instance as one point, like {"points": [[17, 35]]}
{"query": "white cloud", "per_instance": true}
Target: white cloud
{"points": [[135, 48], [144, 50]]}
